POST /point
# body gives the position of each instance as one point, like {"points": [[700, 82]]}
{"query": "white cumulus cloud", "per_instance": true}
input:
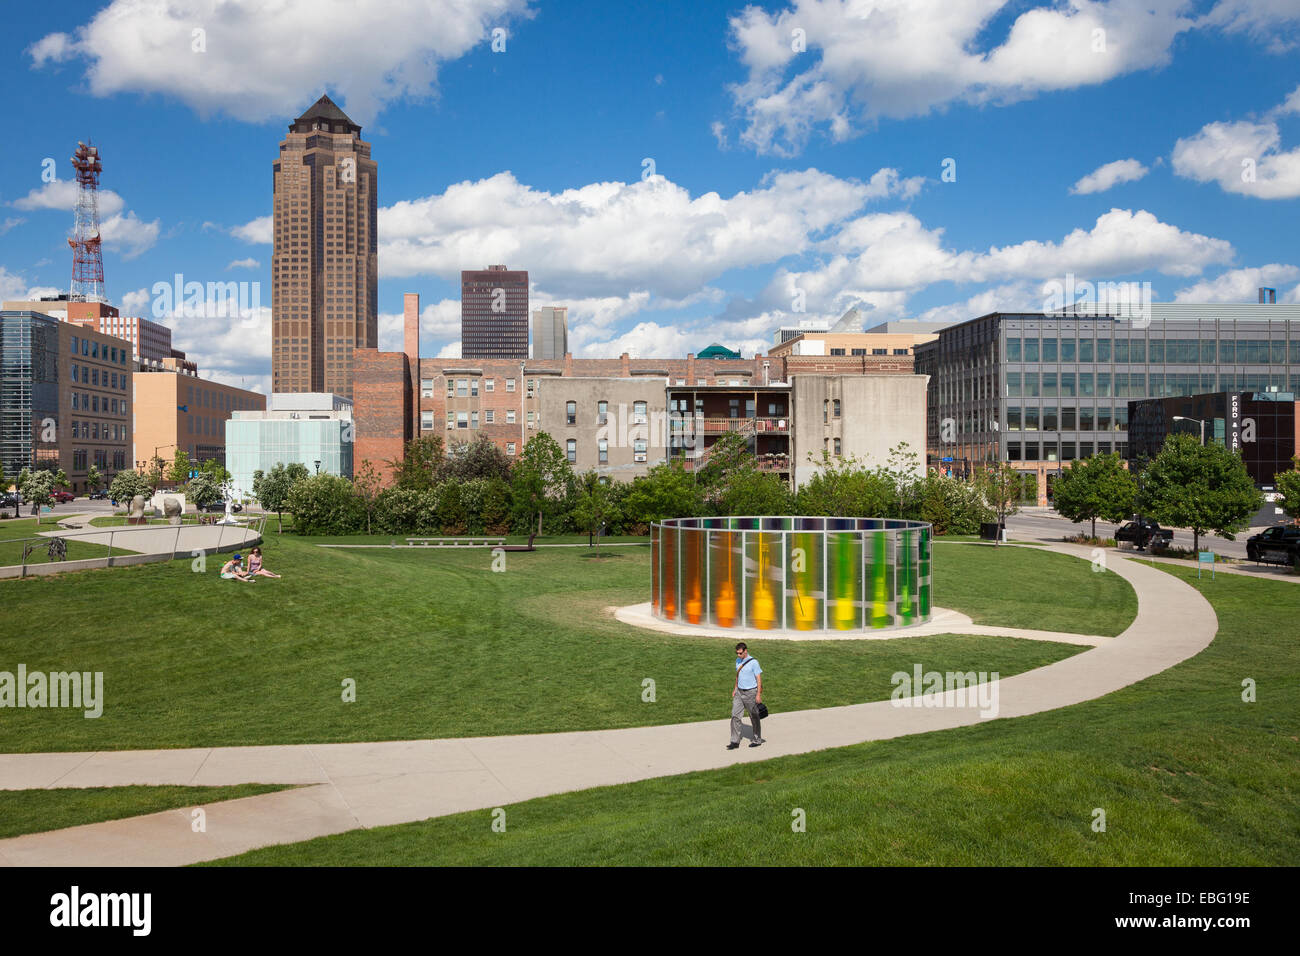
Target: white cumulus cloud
{"points": [[257, 61], [1111, 174], [1242, 157]]}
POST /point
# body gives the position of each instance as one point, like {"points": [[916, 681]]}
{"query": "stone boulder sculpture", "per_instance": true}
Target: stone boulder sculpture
{"points": [[135, 512], [172, 509]]}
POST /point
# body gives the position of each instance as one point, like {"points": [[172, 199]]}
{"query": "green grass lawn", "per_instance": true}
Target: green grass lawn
{"points": [[441, 646], [35, 811], [15, 534], [1185, 770]]}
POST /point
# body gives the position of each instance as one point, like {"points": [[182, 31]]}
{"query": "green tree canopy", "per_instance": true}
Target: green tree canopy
{"points": [[203, 490], [1288, 486], [749, 491], [1096, 487], [421, 465], [540, 479], [480, 458], [1201, 487], [666, 491], [595, 507], [180, 468], [38, 487]]}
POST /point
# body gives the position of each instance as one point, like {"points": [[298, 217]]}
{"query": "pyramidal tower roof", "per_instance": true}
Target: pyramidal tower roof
{"points": [[324, 114]]}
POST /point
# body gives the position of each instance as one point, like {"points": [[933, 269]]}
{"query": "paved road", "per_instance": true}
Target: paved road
{"points": [[376, 784], [1045, 524]]}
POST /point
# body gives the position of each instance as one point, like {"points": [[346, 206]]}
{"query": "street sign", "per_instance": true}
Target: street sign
{"points": [[949, 458]]}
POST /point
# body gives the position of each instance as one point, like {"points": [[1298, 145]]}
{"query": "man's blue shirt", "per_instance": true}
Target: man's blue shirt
{"points": [[748, 679]]}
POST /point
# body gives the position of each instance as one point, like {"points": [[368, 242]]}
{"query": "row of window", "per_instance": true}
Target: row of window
{"points": [[872, 351], [85, 402], [640, 449], [1067, 418], [100, 458], [107, 431], [90, 375], [640, 413], [1155, 351], [91, 349], [1062, 451]]}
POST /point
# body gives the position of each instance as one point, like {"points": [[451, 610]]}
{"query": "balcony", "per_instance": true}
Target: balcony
{"points": [[772, 462], [719, 426]]}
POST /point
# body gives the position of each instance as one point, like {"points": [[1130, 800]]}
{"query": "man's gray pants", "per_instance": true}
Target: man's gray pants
{"points": [[743, 701]]}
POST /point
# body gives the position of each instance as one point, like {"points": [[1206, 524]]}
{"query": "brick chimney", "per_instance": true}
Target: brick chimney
{"points": [[411, 348], [625, 368]]}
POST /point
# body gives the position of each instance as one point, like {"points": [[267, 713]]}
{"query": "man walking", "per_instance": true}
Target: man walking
{"points": [[746, 696]]}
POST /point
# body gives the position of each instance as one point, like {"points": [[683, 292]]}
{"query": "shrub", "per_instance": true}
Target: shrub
{"points": [[326, 504]]}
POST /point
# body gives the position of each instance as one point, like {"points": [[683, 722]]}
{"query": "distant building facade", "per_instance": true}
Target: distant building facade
{"points": [[494, 313], [175, 409], [65, 398], [324, 259], [550, 332]]}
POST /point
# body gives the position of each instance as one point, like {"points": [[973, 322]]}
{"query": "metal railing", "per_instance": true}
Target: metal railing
{"points": [[719, 426]]}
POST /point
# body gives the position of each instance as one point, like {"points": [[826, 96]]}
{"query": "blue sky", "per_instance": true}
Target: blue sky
{"points": [[798, 155]]}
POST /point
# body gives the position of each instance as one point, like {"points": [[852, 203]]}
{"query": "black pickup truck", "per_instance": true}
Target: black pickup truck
{"points": [[1279, 544], [1145, 534]]}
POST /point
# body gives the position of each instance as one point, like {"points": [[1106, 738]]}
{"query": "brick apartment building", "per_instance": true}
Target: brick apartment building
{"points": [[399, 396]]}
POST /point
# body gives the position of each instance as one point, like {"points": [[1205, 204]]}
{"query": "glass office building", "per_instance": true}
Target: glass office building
{"points": [[311, 428], [1050, 388], [29, 389]]}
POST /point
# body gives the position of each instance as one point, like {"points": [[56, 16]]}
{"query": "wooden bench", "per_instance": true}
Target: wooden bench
{"points": [[466, 542]]}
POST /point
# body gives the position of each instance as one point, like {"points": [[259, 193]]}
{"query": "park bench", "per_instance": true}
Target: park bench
{"points": [[471, 541]]}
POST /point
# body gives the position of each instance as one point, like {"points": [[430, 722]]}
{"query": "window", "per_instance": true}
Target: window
{"points": [[462, 420], [639, 413], [532, 384], [681, 381], [451, 388], [530, 420], [473, 419], [571, 449], [880, 351], [705, 381], [602, 451], [510, 385], [426, 388], [451, 419], [74, 345], [462, 387], [473, 387], [570, 413], [858, 352], [835, 407], [639, 449], [488, 417], [510, 448], [510, 416], [489, 385], [900, 351], [602, 412], [826, 417], [837, 448], [837, 351], [426, 420]]}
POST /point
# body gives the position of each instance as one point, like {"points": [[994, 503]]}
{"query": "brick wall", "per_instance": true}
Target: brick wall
{"points": [[381, 408]]}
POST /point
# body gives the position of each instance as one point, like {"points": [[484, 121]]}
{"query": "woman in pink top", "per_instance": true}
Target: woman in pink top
{"points": [[255, 564]]}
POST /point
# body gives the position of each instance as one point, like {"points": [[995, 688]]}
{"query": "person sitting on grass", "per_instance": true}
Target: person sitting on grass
{"points": [[255, 564], [233, 569]]}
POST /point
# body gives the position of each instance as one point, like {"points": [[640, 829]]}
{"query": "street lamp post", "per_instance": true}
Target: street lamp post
{"points": [[318, 466], [1184, 418]]}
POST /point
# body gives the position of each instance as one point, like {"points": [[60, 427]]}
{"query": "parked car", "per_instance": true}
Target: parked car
{"points": [[100, 495], [1145, 534], [220, 506], [63, 496], [10, 499], [1279, 544]]}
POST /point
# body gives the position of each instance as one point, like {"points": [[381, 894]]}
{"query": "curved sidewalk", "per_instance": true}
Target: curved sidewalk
{"points": [[376, 784]]}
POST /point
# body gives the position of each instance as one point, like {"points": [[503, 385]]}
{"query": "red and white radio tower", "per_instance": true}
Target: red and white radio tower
{"points": [[87, 260]]}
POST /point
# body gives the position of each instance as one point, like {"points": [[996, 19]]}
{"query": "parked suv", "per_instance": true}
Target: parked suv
{"points": [[1279, 544], [101, 495], [1145, 534]]}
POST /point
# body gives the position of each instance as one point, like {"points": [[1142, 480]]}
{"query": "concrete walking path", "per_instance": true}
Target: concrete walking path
{"points": [[354, 785]]}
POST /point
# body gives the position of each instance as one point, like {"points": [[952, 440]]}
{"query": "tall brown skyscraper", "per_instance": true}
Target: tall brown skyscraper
{"points": [[494, 313], [324, 267]]}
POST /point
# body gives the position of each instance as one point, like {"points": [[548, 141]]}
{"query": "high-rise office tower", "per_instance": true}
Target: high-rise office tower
{"points": [[494, 313], [324, 266], [550, 332]]}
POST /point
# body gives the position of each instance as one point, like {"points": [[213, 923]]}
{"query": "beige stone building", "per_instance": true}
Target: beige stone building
{"points": [[613, 426], [859, 416], [175, 409], [324, 263]]}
